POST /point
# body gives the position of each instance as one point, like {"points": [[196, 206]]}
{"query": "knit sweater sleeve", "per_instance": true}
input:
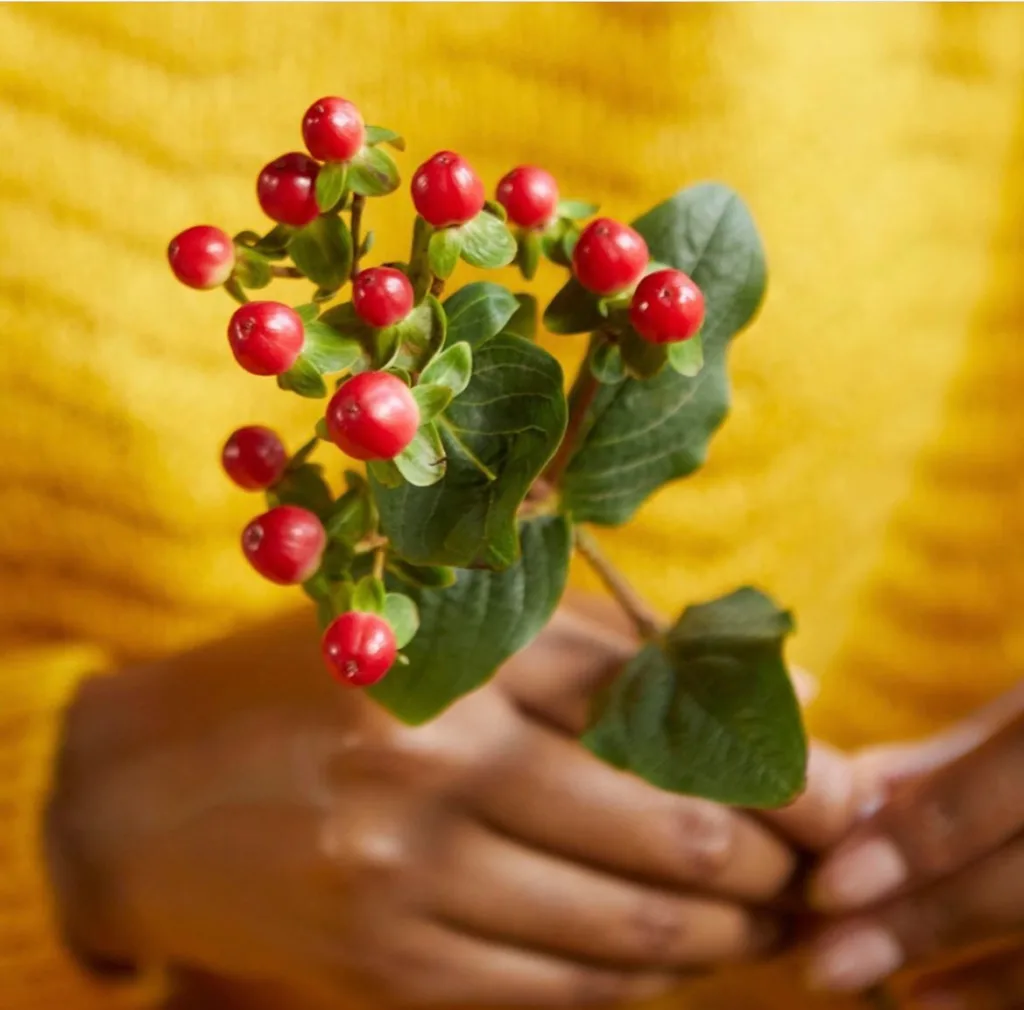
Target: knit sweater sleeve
{"points": [[36, 973]]}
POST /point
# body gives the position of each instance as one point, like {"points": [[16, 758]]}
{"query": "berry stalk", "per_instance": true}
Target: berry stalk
{"points": [[581, 397], [358, 203]]}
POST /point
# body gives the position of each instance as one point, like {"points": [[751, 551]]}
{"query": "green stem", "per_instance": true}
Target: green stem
{"points": [[648, 624], [358, 203], [279, 271], [581, 398]]}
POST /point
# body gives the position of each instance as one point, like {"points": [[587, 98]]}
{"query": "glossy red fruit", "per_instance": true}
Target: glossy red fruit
{"points": [[266, 337], [359, 648], [446, 190], [285, 544], [667, 307], [286, 189], [529, 196], [372, 416], [609, 257], [333, 129], [382, 296], [254, 457], [202, 257]]}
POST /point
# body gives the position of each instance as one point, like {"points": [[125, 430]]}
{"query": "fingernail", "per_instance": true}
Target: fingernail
{"points": [[854, 959], [859, 876]]}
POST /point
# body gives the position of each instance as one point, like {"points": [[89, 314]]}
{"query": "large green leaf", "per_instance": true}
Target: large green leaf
{"points": [[711, 711], [478, 312], [498, 435], [323, 251], [640, 434], [469, 629]]}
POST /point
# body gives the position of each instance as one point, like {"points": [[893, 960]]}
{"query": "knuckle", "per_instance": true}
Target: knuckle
{"points": [[706, 835], [931, 833], [654, 929], [595, 987]]}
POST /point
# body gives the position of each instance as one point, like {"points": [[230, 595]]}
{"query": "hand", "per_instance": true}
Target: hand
{"points": [[234, 811], [942, 862]]}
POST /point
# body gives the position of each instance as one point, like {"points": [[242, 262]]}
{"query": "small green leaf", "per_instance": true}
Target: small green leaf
{"points": [[330, 184], [273, 245], [323, 251], [308, 313], [487, 242], [321, 429], [367, 244], [419, 336], [687, 356], [606, 363], [443, 252], [431, 399], [327, 350], [382, 135], [528, 255], [368, 595], [372, 172], [573, 310], [524, 320], [478, 312], [469, 630], [551, 241], [343, 318], [451, 369], [304, 486], [575, 210], [385, 473], [641, 358], [304, 379], [422, 462], [252, 269], [350, 518], [403, 616], [711, 712], [419, 258], [421, 576], [496, 209]]}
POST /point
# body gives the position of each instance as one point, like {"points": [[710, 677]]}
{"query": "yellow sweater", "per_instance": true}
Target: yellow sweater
{"points": [[871, 472]]}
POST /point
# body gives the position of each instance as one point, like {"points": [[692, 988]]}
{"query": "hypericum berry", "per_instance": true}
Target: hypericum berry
{"points": [[286, 189], [609, 257], [529, 196], [446, 190], [202, 257], [266, 337], [382, 296], [333, 129], [359, 648], [667, 307], [372, 416], [285, 544], [254, 457]]}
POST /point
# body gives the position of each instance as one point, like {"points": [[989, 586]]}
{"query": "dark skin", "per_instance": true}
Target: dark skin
{"points": [[235, 813]]}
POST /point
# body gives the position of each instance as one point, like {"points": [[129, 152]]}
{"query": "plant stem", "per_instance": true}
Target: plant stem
{"points": [[278, 271], [379, 558], [648, 624], [358, 202], [581, 398]]}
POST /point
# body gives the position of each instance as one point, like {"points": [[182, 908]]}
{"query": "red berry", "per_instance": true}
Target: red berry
{"points": [[285, 544], [359, 648], [666, 307], [266, 337], [372, 416], [382, 296], [202, 257], [609, 257], [333, 129], [446, 190], [254, 457], [286, 189], [529, 195]]}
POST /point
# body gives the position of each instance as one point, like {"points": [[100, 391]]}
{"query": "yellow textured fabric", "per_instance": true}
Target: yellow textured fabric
{"points": [[870, 475]]}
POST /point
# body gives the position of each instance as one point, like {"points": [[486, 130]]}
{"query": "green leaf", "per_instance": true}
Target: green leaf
{"points": [[308, 313], [419, 336], [687, 356], [303, 378], [606, 363], [382, 135], [372, 172], [367, 244], [573, 310], [330, 184], [524, 320], [478, 312], [273, 245], [468, 630], [641, 358], [328, 351], [421, 576], [451, 369], [528, 253], [509, 421], [350, 518], [368, 595], [304, 486], [711, 711], [496, 209], [343, 318], [422, 462], [443, 252], [252, 269], [323, 251], [403, 616], [487, 242], [431, 399], [321, 429], [575, 210], [639, 435], [384, 472]]}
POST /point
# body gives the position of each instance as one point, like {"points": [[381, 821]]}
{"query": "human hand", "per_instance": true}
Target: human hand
{"points": [[233, 811], [940, 865]]}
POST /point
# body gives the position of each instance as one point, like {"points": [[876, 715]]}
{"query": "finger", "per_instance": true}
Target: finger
{"points": [[555, 795], [930, 827], [994, 983], [986, 900], [516, 895]]}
